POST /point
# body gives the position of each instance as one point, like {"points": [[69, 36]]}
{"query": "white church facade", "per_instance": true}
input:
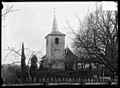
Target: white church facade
{"points": [[55, 48]]}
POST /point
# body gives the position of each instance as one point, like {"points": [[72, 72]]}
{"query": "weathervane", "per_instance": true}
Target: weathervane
{"points": [[54, 11]]}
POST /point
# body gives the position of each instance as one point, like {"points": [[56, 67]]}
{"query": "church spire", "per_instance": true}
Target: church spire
{"points": [[22, 58], [54, 26]]}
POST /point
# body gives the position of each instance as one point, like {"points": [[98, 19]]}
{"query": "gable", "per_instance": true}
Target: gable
{"points": [[69, 53]]}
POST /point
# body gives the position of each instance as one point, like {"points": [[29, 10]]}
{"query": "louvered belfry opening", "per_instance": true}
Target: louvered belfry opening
{"points": [[56, 40]]}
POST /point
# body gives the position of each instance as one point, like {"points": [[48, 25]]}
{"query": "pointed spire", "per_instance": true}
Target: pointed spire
{"points": [[54, 27], [23, 48], [22, 57]]}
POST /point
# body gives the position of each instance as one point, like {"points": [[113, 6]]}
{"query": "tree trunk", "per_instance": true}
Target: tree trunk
{"points": [[50, 67], [76, 66], [82, 66], [90, 68], [97, 70]]}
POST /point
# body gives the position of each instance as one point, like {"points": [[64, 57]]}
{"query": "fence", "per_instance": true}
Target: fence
{"points": [[81, 81], [57, 77]]}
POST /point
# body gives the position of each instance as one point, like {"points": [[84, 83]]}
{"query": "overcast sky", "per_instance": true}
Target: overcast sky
{"points": [[34, 21]]}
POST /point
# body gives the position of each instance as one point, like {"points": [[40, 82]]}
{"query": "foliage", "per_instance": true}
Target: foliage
{"points": [[9, 73], [34, 63], [98, 38]]}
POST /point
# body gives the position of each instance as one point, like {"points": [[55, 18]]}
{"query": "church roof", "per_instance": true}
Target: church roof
{"points": [[68, 53], [55, 28], [53, 33]]}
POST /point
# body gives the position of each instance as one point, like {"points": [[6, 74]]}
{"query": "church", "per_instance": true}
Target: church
{"points": [[56, 54]]}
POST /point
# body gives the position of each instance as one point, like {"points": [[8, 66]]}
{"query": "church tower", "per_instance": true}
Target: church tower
{"points": [[55, 42]]}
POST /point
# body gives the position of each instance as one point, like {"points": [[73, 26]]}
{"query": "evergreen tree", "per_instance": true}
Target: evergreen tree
{"points": [[34, 63], [23, 65]]}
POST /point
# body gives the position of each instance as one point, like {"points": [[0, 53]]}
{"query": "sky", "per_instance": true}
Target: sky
{"points": [[33, 21]]}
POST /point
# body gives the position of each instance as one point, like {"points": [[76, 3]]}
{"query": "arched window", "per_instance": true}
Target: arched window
{"points": [[56, 40]]}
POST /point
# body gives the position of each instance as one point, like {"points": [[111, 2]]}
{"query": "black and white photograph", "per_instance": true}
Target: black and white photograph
{"points": [[59, 43]]}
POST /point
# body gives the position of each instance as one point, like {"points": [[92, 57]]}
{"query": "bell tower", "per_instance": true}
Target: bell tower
{"points": [[55, 43]]}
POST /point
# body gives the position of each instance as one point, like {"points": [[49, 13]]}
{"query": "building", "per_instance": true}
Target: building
{"points": [[55, 49]]}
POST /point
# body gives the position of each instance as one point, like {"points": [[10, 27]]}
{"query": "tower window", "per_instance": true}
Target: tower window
{"points": [[56, 40]]}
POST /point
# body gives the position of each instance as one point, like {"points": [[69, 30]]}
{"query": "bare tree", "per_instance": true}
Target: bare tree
{"points": [[8, 8], [98, 38], [12, 50]]}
